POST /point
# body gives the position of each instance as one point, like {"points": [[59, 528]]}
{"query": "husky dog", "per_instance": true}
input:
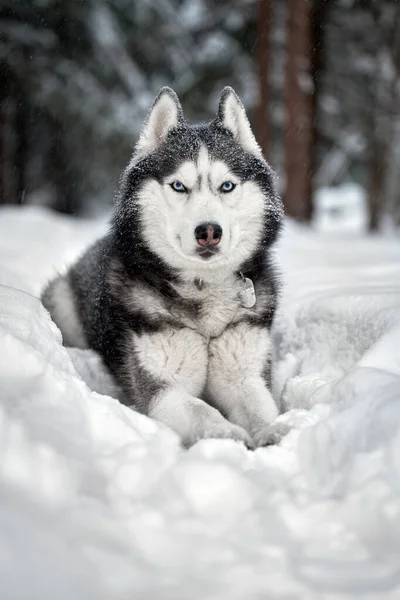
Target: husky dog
{"points": [[179, 297]]}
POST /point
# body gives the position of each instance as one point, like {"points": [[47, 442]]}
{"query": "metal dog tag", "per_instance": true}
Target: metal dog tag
{"points": [[247, 294]]}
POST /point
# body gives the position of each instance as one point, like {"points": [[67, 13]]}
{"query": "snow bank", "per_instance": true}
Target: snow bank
{"points": [[98, 502], [342, 208]]}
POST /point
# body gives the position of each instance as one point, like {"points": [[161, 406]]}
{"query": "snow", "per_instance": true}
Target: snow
{"points": [[99, 502], [342, 207]]}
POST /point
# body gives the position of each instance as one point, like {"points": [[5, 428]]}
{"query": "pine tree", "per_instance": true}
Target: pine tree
{"points": [[300, 112]]}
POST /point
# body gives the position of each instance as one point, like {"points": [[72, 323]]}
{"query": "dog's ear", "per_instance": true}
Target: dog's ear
{"points": [[232, 116], [165, 114]]}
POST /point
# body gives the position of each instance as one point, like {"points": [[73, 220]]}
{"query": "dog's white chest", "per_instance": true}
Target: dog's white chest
{"points": [[219, 309], [218, 306]]}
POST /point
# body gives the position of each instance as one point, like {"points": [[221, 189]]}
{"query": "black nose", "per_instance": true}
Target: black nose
{"points": [[208, 234]]}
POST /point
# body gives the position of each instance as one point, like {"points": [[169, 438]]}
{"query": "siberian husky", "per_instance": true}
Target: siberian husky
{"points": [[179, 297]]}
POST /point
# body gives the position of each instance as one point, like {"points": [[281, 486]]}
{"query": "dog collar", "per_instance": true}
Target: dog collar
{"points": [[199, 283], [247, 293]]}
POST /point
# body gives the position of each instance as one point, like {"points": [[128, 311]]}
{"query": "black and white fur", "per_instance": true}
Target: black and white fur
{"points": [[168, 320]]}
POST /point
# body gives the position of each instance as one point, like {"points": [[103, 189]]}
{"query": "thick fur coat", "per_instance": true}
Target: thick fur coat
{"points": [[161, 297]]}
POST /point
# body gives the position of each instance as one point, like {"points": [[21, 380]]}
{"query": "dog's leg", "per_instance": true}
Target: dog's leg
{"points": [[236, 383], [168, 372]]}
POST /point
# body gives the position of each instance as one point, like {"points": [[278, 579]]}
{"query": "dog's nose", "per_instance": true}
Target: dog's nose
{"points": [[208, 234]]}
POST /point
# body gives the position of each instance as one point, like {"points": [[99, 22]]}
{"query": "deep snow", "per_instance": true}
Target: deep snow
{"points": [[98, 502]]}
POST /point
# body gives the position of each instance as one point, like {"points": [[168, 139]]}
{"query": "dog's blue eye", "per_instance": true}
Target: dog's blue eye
{"points": [[178, 186], [227, 186]]}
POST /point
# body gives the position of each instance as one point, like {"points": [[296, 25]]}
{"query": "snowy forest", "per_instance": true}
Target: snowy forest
{"points": [[104, 498], [319, 78]]}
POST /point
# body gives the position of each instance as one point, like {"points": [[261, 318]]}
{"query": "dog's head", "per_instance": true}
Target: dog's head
{"points": [[202, 196]]}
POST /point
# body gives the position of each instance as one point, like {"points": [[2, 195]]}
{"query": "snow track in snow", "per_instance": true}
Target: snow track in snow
{"points": [[99, 502]]}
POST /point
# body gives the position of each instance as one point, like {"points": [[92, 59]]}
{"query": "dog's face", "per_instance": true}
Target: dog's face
{"points": [[204, 194]]}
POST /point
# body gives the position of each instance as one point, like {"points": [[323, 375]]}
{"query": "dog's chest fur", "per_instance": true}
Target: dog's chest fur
{"points": [[215, 306], [207, 308]]}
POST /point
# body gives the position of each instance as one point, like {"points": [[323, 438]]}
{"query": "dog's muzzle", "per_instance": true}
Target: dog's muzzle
{"points": [[208, 235]]}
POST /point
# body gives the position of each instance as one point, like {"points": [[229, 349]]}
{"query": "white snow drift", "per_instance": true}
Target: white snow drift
{"points": [[98, 502]]}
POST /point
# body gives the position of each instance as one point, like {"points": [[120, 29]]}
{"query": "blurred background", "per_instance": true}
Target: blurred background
{"points": [[320, 80]]}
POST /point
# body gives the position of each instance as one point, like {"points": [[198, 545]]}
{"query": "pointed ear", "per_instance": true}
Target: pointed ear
{"points": [[232, 115], [165, 114]]}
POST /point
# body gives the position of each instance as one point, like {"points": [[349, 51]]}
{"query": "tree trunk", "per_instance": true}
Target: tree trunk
{"points": [[2, 191], [383, 125], [3, 87], [300, 112], [263, 35], [377, 187], [62, 177], [21, 152]]}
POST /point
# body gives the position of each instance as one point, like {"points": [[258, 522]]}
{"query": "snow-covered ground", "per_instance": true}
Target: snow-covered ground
{"points": [[98, 502]]}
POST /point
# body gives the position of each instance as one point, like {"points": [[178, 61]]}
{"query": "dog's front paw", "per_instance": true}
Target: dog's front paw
{"points": [[230, 431], [214, 425], [270, 435]]}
